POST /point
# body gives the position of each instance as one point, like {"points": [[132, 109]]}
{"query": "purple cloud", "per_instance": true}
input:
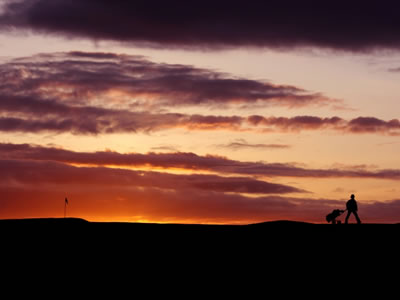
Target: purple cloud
{"points": [[363, 26], [45, 172], [243, 144], [358, 125], [104, 93], [186, 161], [136, 83]]}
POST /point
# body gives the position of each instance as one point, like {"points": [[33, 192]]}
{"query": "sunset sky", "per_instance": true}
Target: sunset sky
{"points": [[225, 112]]}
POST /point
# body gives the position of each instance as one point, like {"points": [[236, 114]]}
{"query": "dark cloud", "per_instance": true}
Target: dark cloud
{"points": [[187, 161], [373, 125], [356, 126], [394, 70], [113, 121], [96, 202], [29, 114], [34, 114], [32, 188], [359, 25], [103, 93], [297, 123], [134, 82], [153, 205], [379, 211], [46, 172]]}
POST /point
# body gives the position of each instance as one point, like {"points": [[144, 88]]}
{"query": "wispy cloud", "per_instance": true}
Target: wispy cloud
{"points": [[84, 120], [34, 172], [213, 25], [358, 125], [243, 144], [91, 120], [189, 161], [104, 93], [109, 193], [133, 82], [168, 148]]}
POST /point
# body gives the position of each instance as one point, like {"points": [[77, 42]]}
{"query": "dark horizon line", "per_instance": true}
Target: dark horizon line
{"points": [[61, 220]]}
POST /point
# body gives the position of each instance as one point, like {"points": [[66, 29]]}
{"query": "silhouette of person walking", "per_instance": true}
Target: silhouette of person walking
{"points": [[352, 208]]}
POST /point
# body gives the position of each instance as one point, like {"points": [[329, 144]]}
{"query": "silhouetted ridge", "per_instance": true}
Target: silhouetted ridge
{"points": [[44, 221], [281, 223]]}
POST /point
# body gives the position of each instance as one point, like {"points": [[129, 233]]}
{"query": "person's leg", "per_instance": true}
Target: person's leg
{"points": [[347, 217], [357, 218]]}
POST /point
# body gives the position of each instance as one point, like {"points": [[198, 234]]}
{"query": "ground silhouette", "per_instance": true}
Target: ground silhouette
{"points": [[282, 229], [285, 244]]}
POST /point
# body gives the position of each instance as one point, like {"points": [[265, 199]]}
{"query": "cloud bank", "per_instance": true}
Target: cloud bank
{"points": [[357, 125], [36, 179], [135, 82], [104, 93], [44, 172], [341, 25], [38, 189], [186, 161]]}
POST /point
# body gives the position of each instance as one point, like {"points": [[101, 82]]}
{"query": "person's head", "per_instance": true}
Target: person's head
{"points": [[352, 196]]}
